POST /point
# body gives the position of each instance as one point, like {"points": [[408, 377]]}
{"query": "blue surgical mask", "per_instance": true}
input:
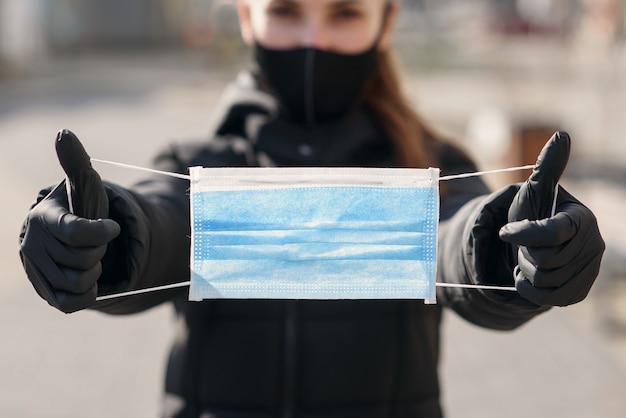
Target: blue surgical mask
{"points": [[313, 233]]}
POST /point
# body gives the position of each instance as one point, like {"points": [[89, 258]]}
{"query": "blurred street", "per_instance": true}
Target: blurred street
{"points": [[124, 106]]}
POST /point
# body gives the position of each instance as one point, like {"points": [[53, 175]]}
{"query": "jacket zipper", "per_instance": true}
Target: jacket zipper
{"points": [[290, 360], [309, 80]]}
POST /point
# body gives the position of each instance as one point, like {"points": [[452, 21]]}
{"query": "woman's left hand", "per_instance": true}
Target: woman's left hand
{"points": [[558, 255]]}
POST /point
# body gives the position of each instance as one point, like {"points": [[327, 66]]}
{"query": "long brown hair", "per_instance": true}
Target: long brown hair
{"points": [[406, 129]]}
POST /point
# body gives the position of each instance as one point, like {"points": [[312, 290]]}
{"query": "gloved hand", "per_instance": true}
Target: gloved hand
{"points": [[61, 250], [558, 256]]}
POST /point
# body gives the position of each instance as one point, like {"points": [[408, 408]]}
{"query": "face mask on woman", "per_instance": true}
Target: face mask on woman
{"points": [[314, 85]]}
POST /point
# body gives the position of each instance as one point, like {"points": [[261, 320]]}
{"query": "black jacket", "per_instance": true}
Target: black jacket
{"points": [[287, 358]]}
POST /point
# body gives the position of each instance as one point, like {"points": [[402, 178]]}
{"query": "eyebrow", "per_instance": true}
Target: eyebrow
{"points": [[344, 3], [332, 4]]}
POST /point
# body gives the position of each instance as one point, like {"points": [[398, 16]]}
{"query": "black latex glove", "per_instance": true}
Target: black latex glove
{"points": [[61, 250], [558, 256]]}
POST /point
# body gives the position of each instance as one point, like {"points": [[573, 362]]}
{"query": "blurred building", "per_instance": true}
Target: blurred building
{"points": [[21, 32], [30, 29]]}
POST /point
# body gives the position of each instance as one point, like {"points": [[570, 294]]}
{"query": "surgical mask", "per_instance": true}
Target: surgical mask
{"points": [[313, 85], [313, 233]]}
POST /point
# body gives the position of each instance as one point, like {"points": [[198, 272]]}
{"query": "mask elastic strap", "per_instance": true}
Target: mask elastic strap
{"points": [[188, 177]]}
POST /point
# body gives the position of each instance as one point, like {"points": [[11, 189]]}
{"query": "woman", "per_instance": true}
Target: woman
{"points": [[325, 93]]}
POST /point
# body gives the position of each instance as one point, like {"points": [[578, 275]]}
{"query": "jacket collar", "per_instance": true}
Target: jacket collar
{"points": [[248, 112]]}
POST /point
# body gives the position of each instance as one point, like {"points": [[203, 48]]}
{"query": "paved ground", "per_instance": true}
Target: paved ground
{"points": [[90, 365]]}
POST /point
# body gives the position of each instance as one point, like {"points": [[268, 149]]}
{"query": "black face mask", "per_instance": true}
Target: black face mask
{"points": [[313, 85]]}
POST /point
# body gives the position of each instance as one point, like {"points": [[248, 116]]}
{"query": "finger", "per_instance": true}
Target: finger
{"points": [[541, 277], [37, 279], [72, 230], [534, 199], [76, 281], [547, 232], [526, 290], [46, 253], [80, 245], [573, 291], [80, 232], [71, 302], [550, 164], [88, 196], [64, 301], [77, 258], [72, 155], [546, 267], [548, 258], [54, 276]]}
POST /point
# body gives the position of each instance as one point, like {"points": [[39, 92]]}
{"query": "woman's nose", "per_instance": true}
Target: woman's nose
{"points": [[316, 35]]}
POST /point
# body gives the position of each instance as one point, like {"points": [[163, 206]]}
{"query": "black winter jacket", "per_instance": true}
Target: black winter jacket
{"points": [[307, 359]]}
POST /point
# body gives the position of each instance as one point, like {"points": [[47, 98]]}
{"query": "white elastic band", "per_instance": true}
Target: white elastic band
{"points": [[556, 195], [150, 170], [476, 286], [480, 173], [188, 283], [188, 177], [146, 290]]}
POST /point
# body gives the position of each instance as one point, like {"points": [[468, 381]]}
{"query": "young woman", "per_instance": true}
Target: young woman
{"points": [[324, 93]]}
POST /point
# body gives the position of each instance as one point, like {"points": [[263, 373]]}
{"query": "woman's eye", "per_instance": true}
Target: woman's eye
{"points": [[283, 12], [347, 14]]}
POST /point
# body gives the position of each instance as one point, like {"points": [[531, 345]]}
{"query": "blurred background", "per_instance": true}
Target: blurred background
{"points": [[130, 76]]}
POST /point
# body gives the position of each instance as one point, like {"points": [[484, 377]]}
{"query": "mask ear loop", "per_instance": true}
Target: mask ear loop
{"points": [[148, 170], [556, 195]]}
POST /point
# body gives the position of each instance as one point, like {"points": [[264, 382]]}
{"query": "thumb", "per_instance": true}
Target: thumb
{"points": [[534, 199], [86, 193]]}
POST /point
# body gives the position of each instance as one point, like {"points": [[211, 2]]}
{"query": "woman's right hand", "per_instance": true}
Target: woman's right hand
{"points": [[62, 251]]}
